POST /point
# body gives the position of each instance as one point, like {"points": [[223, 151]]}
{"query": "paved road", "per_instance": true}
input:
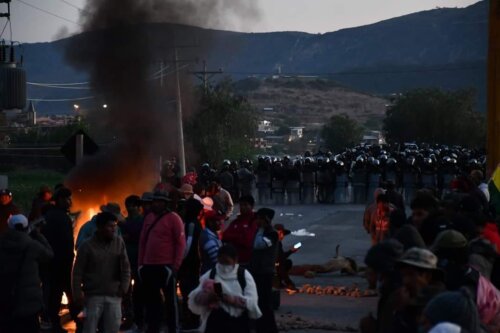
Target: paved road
{"points": [[332, 226]]}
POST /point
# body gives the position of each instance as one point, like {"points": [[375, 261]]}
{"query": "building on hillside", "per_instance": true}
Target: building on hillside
{"points": [[296, 133], [373, 138], [265, 126]]}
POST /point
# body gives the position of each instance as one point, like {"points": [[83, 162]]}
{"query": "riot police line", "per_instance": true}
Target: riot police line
{"points": [[349, 177]]}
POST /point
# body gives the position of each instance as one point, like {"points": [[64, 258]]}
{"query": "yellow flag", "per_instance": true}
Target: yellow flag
{"points": [[496, 178]]}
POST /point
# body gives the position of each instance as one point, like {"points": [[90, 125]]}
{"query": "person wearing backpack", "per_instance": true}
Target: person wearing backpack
{"points": [[20, 293], [226, 298], [161, 251]]}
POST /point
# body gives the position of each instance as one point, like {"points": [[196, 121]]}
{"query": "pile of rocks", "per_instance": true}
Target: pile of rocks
{"points": [[353, 291], [288, 322]]}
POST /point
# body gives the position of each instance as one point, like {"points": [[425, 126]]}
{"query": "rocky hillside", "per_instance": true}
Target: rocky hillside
{"points": [[309, 101]]}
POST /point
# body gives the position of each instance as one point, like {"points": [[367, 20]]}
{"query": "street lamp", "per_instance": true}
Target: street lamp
{"points": [[105, 106], [76, 107]]}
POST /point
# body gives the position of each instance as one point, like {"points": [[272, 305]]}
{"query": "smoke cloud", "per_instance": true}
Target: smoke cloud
{"points": [[121, 50]]}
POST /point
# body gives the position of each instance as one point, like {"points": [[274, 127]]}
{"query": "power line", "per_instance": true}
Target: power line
{"points": [[60, 99], [59, 84], [5, 26], [47, 12], [72, 5]]}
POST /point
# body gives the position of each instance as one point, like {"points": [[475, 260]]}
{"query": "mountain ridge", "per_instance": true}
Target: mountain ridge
{"points": [[445, 47]]}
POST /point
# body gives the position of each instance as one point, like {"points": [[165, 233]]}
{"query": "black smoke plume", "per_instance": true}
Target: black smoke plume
{"points": [[121, 50]]}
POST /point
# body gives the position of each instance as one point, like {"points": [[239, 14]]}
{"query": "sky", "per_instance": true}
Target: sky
{"points": [[314, 16]]}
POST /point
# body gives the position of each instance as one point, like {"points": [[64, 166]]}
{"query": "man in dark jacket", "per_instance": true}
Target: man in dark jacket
{"points": [[20, 292], [133, 307], [101, 276], [59, 233], [7, 209], [189, 273], [262, 267]]}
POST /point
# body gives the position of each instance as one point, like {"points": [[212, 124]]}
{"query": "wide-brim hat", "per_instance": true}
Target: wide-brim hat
{"points": [[161, 196], [420, 258], [113, 208], [147, 197]]}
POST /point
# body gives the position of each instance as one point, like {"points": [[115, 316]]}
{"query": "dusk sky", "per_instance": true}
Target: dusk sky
{"points": [[315, 16]]}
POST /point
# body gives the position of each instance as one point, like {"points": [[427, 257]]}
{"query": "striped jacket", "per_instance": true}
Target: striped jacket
{"points": [[209, 248]]}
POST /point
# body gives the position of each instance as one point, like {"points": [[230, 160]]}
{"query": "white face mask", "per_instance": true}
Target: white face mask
{"points": [[225, 269]]}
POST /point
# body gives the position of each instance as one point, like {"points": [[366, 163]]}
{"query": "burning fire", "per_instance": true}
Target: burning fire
{"points": [[86, 210]]}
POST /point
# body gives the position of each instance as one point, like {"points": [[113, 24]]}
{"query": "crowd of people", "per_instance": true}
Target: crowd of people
{"points": [[182, 258], [438, 269], [125, 273], [350, 176]]}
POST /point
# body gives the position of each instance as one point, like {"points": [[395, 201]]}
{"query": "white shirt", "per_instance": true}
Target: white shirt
{"points": [[230, 286]]}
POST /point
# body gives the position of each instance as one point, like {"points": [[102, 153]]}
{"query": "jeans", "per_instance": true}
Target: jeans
{"points": [[107, 307]]}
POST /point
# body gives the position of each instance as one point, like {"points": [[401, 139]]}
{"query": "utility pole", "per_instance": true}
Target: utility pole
{"points": [[180, 129], [161, 74], [205, 75], [493, 145]]}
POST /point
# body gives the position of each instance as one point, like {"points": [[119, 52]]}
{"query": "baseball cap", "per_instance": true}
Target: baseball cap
{"points": [[281, 227], [5, 192], [18, 219]]}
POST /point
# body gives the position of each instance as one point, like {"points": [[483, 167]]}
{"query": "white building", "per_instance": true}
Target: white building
{"points": [[296, 133]]}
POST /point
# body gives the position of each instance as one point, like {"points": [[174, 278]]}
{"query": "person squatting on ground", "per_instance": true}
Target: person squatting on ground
{"points": [[101, 276], [284, 263], [226, 298]]}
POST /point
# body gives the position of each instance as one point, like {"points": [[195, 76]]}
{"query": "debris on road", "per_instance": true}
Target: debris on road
{"points": [[303, 233], [352, 291], [288, 322]]}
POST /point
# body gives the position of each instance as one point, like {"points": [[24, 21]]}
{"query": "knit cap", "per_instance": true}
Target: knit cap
{"points": [[455, 307]]}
